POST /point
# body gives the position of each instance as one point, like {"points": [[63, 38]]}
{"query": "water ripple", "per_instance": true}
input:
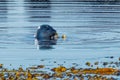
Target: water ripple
{"points": [[86, 23]]}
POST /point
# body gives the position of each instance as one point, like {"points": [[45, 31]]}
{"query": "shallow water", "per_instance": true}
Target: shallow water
{"points": [[92, 29]]}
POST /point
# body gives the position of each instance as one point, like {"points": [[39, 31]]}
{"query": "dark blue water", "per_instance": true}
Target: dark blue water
{"points": [[92, 30]]}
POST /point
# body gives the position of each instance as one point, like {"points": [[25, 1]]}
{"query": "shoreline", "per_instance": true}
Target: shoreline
{"points": [[92, 71]]}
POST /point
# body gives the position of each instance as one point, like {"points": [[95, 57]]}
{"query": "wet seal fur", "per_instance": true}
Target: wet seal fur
{"points": [[45, 36]]}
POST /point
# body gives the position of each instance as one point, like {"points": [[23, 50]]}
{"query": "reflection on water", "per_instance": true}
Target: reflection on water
{"points": [[108, 1], [3, 11], [45, 45], [38, 10]]}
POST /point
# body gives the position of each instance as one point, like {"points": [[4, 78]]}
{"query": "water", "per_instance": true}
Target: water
{"points": [[92, 30]]}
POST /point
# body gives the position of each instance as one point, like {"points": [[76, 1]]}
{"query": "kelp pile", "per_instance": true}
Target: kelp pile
{"points": [[60, 72], [63, 73]]}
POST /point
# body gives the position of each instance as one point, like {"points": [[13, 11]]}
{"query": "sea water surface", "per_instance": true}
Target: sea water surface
{"points": [[92, 30]]}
